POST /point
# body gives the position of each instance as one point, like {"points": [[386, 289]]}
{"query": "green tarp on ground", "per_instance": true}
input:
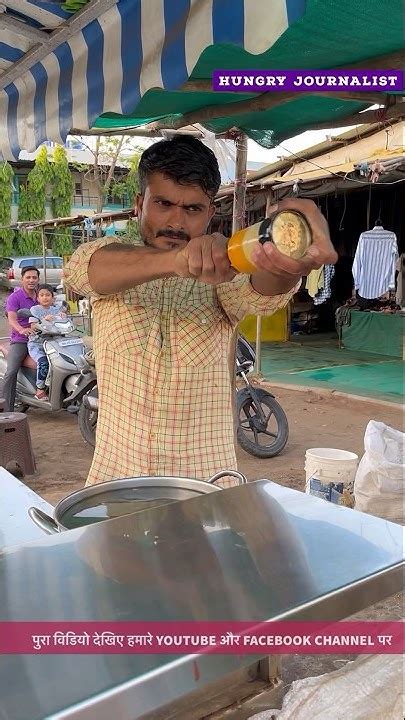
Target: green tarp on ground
{"points": [[374, 332], [317, 361]]}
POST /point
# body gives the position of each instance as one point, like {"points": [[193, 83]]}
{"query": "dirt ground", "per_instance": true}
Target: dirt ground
{"points": [[63, 459]]}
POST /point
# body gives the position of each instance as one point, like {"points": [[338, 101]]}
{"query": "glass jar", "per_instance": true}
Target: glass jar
{"points": [[287, 229]]}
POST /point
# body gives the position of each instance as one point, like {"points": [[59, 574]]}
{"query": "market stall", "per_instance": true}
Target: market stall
{"points": [[101, 69], [355, 177]]}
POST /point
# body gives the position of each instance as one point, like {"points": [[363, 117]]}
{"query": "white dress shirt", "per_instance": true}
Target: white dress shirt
{"points": [[374, 263]]}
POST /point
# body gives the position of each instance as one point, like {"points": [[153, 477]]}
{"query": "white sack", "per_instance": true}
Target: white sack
{"points": [[370, 688], [379, 483]]}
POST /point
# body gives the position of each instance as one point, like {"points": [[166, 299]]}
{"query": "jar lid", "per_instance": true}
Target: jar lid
{"points": [[290, 232]]}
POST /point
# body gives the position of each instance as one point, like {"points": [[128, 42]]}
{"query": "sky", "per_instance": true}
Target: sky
{"points": [[225, 150], [259, 156]]}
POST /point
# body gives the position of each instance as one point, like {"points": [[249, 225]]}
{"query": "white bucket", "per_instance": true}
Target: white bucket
{"points": [[330, 465]]}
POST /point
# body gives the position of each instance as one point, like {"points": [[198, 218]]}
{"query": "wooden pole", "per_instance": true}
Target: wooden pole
{"points": [[238, 219], [264, 101], [269, 201], [239, 193]]}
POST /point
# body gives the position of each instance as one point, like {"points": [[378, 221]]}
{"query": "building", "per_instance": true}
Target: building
{"points": [[84, 197]]}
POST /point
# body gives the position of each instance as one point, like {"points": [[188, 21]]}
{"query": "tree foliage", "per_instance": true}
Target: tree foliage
{"points": [[32, 204], [61, 199], [6, 194], [129, 185], [132, 232]]}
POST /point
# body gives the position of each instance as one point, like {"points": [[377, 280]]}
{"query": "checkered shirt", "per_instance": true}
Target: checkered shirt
{"points": [[165, 392]]}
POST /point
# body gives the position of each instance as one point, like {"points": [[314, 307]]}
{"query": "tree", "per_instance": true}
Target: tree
{"points": [[61, 199], [32, 204], [6, 193], [129, 184], [108, 153]]}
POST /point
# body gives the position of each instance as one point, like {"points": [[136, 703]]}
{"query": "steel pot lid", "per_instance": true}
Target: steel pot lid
{"points": [[124, 496]]}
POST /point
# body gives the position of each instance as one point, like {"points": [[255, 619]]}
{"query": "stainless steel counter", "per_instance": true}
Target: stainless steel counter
{"points": [[255, 552], [15, 499]]}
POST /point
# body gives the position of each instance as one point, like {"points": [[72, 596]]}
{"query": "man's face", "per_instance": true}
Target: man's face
{"points": [[29, 280], [171, 214]]}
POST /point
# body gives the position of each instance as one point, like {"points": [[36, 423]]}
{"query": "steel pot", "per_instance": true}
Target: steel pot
{"points": [[124, 496]]}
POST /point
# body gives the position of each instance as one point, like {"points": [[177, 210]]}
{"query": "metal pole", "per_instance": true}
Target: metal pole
{"points": [[44, 250], [258, 367], [258, 364]]}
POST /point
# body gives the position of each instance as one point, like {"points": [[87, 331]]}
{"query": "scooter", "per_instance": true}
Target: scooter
{"points": [[262, 423], [70, 375]]}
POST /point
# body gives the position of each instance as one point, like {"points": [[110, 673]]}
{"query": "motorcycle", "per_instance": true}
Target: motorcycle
{"points": [[262, 428], [262, 423], [70, 375]]}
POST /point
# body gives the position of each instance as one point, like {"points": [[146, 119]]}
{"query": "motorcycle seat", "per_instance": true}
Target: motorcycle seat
{"points": [[28, 362]]}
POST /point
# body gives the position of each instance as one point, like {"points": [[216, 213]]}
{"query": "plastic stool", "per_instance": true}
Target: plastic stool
{"points": [[2, 405], [15, 442]]}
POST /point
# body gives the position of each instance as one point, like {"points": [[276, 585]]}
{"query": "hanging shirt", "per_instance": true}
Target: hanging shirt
{"points": [[374, 263], [326, 291], [315, 281]]}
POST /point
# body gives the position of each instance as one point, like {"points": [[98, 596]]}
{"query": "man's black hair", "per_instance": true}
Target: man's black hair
{"points": [[28, 268], [45, 286], [183, 159]]}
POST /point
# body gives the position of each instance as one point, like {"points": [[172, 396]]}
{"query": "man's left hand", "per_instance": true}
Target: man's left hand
{"points": [[321, 251]]}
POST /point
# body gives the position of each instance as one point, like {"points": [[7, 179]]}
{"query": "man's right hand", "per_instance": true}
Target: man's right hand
{"points": [[206, 259]]}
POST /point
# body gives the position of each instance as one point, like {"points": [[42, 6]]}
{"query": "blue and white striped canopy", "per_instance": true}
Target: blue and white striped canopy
{"points": [[61, 71]]}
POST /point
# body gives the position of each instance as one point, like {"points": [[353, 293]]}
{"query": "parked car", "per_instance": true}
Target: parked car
{"points": [[10, 270]]}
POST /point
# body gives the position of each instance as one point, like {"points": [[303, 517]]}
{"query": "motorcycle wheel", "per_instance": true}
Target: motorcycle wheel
{"points": [[251, 431], [87, 420]]}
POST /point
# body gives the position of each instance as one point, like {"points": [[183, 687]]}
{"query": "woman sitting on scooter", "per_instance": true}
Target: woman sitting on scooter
{"points": [[45, 310]]}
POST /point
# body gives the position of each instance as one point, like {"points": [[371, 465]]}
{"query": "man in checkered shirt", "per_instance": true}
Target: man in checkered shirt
{"points": [[164, 316]]}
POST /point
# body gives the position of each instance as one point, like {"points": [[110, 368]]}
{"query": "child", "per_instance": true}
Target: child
{"points": [[45, 310]]}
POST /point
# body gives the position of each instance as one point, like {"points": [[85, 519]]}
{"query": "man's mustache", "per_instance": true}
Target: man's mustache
{"points": [[174, 234]]}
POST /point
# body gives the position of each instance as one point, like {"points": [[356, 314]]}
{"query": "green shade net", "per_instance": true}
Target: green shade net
{"points": [[331, 34]]}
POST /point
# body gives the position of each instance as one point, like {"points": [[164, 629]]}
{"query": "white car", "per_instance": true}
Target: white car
{"points": [[10, 270]]}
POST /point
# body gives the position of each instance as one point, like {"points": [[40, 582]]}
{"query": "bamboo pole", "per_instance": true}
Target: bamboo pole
{"points": [[139, 131], [264, 101], [239, 194], [381, 115], [238, 219]]}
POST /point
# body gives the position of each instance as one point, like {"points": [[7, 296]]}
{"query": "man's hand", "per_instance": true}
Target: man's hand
{"points": [[206, 259], [320, 252], [27, 331]]}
